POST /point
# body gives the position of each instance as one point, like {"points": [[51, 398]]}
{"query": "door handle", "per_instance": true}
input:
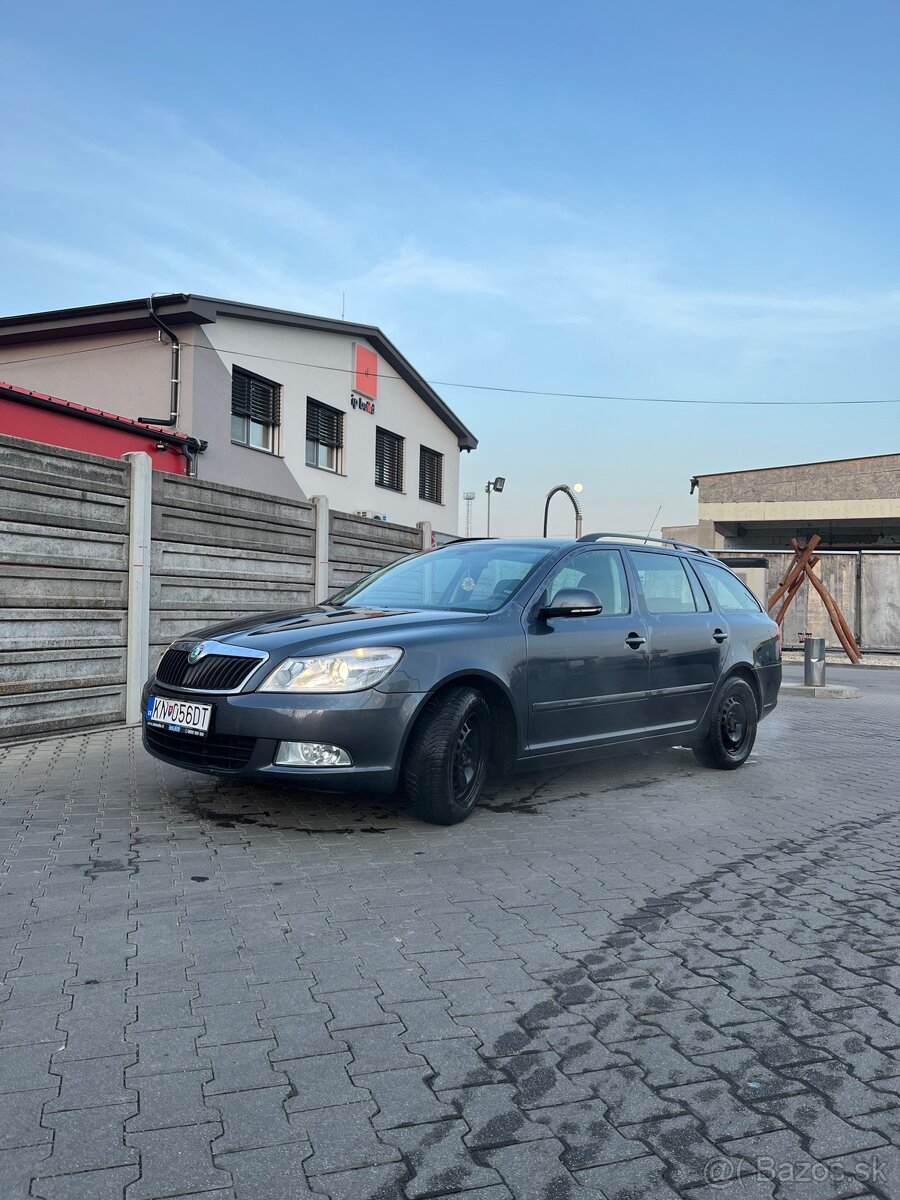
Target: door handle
{"points": [[635, 641], [719, 635]]}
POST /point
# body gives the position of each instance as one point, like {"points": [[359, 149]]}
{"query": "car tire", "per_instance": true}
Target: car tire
{"points": [[447, 759], [732, 728]]}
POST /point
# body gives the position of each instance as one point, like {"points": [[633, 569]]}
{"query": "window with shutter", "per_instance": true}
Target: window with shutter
{"points": [[389, 460], [255, 410], [431, 475], [324, 435]]}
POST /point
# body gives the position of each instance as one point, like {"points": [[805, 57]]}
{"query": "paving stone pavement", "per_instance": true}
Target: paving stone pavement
{"points": [[630, 980]]}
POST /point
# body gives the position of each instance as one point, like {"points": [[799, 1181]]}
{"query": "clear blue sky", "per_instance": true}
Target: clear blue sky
{"points": [[692, 200]]}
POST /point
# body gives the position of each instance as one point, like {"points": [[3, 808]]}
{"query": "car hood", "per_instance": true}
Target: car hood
{"points": [[282, 632]]}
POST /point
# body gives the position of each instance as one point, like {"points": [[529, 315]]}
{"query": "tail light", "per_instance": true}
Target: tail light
{"points": [[780, 643]]}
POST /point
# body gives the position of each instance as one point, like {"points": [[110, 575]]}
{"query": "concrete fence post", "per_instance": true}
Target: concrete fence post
{"points": [[425, 528], [321, 585], [137, 649]]}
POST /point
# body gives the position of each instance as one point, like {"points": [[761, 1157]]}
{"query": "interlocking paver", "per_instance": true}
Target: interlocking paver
{"points": [[305, 1035], [168, 1101], [87, 1083], [321, 1082], [343, 1138], [20, 1118], [456, 1063], [825, 1133], [590, 1139], [226, 1024], [98, 1185], [539, 1081], [723, 1115], [18, 1169], [662, 1063], [89, 1139], [161, 1051], [640, 1179], [275, 1173], [26, 1068], [440, 1161], [627, 1097], [241, 1065], [603, 978], [493, 1115], [175, 1162], [535, 1171], [252, 1119], [365, 1183], [404, 1097]]}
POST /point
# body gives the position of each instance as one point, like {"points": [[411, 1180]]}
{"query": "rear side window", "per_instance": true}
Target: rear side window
{"points": [[727, 591], [664, 582]]}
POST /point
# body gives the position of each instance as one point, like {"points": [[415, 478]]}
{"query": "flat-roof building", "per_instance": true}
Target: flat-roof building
{"points": [[851, 503]]}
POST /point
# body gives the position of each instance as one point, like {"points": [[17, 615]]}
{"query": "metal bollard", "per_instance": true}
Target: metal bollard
{"points": [[814, 662]]}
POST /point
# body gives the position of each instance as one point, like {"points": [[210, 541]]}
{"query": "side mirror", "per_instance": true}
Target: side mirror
{"points": [[572, 602]]}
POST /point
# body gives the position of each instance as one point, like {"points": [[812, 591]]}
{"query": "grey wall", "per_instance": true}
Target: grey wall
{"points": [[124, 373], [63, 588], [217, 553], [238, 466], [222, 552], [852, 479], [357, 546]]}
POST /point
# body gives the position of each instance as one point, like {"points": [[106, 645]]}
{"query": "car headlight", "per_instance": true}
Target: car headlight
{"points": [[352, 671]]}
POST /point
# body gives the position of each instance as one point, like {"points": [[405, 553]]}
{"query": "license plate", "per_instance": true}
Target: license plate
{"points": [[182, 716]]}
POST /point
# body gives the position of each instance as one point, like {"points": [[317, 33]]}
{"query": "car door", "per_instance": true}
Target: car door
{"points": [[686, 640], [587, 675]]}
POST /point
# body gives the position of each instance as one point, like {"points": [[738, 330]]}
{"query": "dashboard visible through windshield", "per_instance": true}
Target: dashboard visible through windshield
{"points": [[464, 577]]}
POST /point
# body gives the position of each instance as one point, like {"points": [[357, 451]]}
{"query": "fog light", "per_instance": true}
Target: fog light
{"points": [[311, 754]]}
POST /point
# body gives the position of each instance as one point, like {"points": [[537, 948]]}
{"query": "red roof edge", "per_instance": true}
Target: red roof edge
{"points": [[82, 410]]}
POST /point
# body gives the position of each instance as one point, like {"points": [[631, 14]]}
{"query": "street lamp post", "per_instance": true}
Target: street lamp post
{"points": [[493, 485], [570, 492]]}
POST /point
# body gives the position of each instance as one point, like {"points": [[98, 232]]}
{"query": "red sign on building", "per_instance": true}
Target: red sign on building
{"points": [[365, 371]]}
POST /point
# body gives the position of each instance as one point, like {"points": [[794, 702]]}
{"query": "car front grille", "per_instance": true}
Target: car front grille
{"points": [[221, 753], [212, 673]]}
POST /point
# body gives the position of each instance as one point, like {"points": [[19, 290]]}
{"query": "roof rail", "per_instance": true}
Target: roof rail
{"points": [[639, 537]]}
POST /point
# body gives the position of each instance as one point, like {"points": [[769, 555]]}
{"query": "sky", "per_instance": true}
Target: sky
{"points": [[692, 201]]}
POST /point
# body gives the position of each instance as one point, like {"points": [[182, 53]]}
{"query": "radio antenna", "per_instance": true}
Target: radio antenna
{"points": [[652, 523]]}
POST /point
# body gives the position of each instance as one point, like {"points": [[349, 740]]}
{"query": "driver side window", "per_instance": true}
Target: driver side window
{"points": [[597, 571]]}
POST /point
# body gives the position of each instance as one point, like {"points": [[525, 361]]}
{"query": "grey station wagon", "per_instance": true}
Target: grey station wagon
{"points": [[449, 667]]}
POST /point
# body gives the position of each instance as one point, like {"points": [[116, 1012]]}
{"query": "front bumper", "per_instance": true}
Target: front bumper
{"points": [[245, 730]]}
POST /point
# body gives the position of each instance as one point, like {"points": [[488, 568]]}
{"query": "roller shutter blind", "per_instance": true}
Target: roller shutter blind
{"points": [[256, 398], [324, 425], [431, 475], [389, 460]]}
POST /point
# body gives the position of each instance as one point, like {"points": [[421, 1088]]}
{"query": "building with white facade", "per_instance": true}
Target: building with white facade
{"points": [[287, 403]]}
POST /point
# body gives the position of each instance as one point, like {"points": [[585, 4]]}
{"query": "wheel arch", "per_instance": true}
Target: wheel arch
{"points": [[502, 706], [745, 671]]}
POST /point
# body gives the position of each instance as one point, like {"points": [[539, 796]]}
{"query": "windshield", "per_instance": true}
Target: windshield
{"points": [[467, 576]]}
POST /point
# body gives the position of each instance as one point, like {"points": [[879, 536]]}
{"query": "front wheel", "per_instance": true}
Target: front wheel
{"points": [[447, 757], [732, 728]]}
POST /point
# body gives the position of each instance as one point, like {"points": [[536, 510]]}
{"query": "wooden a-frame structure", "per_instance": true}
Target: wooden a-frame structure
{"points": [[801, 568]]}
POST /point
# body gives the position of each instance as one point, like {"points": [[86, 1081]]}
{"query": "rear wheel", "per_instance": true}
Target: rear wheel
{"points": [[732, 729], [447, 757]]}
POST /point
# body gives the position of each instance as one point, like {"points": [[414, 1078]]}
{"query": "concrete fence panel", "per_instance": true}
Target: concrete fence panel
{"points": [[63, 588], [222, 552], [358, 545], [880, 594]]}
